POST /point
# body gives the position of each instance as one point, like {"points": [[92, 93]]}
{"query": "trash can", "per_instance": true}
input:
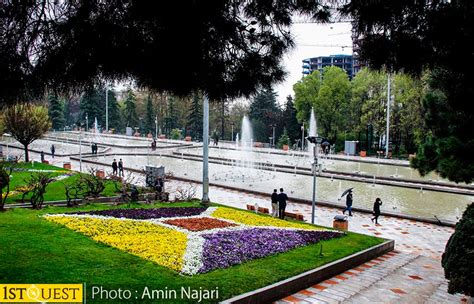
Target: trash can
{"points": [[340, 222]]}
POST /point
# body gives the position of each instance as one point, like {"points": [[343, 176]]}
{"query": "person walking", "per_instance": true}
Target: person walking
{"points": [[377, 204], [348, 204], [42, 156], [114, 167], [275, 203], [95, 148], [53, 150], [120, 167], [282, 198]]}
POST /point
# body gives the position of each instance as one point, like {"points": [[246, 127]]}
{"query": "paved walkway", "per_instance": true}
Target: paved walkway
{"points": [[411, 274]]}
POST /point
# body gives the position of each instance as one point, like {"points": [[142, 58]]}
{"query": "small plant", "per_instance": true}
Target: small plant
{"points": [[73, 191], [36, 185], [184, 194], [176, 134], [284, 139], [6, 170]]}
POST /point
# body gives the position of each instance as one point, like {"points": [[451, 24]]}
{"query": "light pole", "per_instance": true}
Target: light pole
{"points": [[156, 127], [273, 138], [232, 126], [107, 110], [87, 123], [388, 117], [315, 167], [205, 152], [80, 147], [302, 137]]}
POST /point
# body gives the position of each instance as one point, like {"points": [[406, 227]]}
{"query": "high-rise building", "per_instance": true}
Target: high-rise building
{"points": [[346, 62]]}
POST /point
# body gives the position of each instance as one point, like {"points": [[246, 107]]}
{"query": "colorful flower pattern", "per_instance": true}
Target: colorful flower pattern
{"points": [[193, 240]]}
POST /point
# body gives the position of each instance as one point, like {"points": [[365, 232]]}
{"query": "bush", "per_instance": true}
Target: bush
{"points": [[176, 134], [284, 139], [458, 257]]}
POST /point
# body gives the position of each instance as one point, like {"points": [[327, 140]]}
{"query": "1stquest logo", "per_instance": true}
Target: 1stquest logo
{"points": [[21, 293]]}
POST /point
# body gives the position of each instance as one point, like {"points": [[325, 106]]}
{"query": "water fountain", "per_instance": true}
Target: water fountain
{"points": [[312, 132]]}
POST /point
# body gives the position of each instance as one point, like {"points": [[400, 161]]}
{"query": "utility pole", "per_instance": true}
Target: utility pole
{"points": [[205, 152], [387, 139], [302, 137], [87, 123], [107, 110]]}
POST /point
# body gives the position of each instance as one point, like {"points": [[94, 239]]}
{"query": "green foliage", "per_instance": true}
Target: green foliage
{"points": [[130, 110], [306, 94], [176, 134], [56, 112], [171, 116], [93, 104], [284, 139], [290, 121], [194, 118], [149, 116], [458, 257], [26, 123], [35, 186], [264, 112]]}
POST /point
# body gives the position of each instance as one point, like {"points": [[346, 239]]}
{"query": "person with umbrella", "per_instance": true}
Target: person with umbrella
{"points": [[348, 201], [377, 204]]}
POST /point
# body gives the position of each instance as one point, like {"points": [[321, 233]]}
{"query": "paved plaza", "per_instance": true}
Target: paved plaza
{"points": [[410, 274]]}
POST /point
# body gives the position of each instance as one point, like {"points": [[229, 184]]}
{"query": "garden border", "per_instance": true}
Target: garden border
{"points": [[309, 278]]}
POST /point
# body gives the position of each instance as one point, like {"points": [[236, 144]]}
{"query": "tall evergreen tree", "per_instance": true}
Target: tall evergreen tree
{"points": [[171, 116], [93, 105], [290, 122], [264, 112], [149, 116], [130, 111], [55, 112], [115, 121], [195, 118]]}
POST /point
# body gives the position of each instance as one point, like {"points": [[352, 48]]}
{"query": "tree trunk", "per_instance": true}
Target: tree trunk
{"points": [[27, 158]]}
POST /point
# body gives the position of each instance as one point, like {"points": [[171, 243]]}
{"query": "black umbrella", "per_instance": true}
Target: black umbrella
{"points": [[346, 191]]}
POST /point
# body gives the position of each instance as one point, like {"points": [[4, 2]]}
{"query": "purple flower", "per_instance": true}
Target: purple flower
{"points": [[147, 213], [227, 248]]}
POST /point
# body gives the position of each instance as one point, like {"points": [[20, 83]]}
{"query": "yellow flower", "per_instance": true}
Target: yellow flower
{"points": [[159, 244], [253, 219]]}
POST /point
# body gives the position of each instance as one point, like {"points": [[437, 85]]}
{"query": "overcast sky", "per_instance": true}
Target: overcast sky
{"points": [[311, 40]]}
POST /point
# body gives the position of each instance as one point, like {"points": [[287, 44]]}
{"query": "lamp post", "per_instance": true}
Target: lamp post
{"points": [[232, 126], [80, 147], [387, 139], [302, 137], [205, 152], [87, 123], [315, 168], [273, 138], [107, 110], [156, 127]]}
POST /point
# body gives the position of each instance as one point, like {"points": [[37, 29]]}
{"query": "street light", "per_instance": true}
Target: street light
{"points": [[107, 110], [232, 125], [302, 137], [316, 140], [156, 127], [273, 138], [87, 123], [80, 147]]}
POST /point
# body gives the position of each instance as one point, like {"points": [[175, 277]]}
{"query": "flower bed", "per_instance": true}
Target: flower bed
{"points": [[193, 240], [199, 224], [154, 213]]}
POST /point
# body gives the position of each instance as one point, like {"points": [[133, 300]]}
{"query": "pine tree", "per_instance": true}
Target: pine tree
{"points": [[149, 116], [195, 118], [171, 116], [130, 111], [264, 112], [290, 121], [115, 121], [55, 112], [93, 106]]}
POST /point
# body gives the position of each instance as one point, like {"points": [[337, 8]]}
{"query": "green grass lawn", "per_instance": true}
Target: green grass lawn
{"points": [[34, 250], [55, 190]]}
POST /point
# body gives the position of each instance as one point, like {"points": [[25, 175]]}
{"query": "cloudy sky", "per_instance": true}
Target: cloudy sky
{"points": [[312, 40]]}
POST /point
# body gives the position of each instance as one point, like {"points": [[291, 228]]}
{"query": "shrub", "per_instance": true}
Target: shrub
{"points": [[284, 139], [458, 257], [36, 185], [176, 134]]}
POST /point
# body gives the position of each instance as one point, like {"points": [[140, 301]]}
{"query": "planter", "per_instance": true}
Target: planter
{"points": [[363, 153], [340, 225], [67, 166], [285, 147], [137, 134], [45, 162], [149, 135], [162, 136], [251, 207], [263, 210], [187, 138]]}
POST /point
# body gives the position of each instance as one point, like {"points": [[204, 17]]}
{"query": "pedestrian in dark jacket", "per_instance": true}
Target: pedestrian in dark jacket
{"points": [[275, 203], [282, 198], [114, 167], [53, 150], [42, 156], [348, 204], [120, 167], [377, 204]]}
